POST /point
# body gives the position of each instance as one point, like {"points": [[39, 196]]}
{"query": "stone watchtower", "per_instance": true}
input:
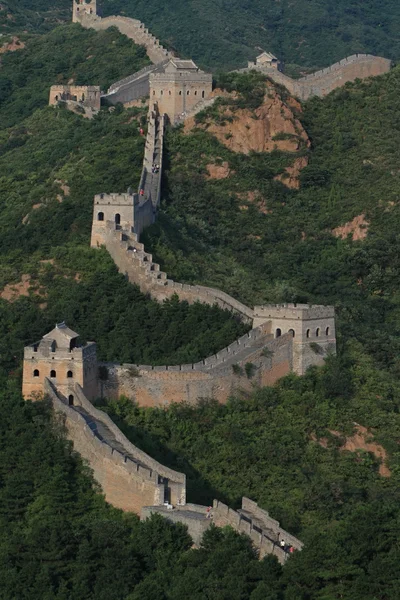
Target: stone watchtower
{"points": [[111, 211], [64, 360], [82, 9], [312, 328]]}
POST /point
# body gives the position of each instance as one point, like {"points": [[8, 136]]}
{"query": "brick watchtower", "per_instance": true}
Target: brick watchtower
{"points": [[312, 328], [60, 357], [82, 9]]}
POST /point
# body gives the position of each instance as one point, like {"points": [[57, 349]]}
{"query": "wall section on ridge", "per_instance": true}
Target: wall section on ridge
{"points": [[321, 83], [217, 376], [130, 478]]}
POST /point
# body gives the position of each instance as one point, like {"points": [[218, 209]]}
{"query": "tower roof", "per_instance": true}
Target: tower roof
{"points": [[62, 335]]}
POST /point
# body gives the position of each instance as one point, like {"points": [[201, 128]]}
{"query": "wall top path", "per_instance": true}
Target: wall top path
{"points": [[133, 29]]}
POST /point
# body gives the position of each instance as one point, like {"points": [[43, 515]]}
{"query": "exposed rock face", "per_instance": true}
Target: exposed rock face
{"points": [[14, 45], [271, 126], [362, 439], [357, 228], [221, 171], [292, 173]]}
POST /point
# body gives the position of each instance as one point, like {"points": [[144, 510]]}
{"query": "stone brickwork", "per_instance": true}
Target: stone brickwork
{"points": [[179, 87], [132, 28], [321, 83], [255, 522], [311, 326], [133, 211], [130, 479], [217, 376], [87, 96], [61, 358]]}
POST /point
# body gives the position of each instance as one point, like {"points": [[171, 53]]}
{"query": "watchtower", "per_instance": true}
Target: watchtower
{"points": [[82, 9], [115, 210], [62, 358], [312, 328]]}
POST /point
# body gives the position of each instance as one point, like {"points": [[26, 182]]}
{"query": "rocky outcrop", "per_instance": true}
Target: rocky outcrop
{"points": [[271, 126], [357, 228]]}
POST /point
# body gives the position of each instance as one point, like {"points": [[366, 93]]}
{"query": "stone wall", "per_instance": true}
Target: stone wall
{"points": [[131, 259], [321, 83], [264, 531], [133, 29], [217, 376], [130, 479], [86, 95], [176, 96], [191, 515]]}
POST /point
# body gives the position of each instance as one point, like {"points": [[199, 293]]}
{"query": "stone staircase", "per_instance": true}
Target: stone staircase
{"points": [[202, 105]]}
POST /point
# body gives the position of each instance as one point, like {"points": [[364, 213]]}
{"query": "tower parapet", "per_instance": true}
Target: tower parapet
{"points": [[311, 326], [82, 9], [62, 358]]}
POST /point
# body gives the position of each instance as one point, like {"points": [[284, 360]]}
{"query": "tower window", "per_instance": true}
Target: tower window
{"points": [[203, 94], [70, 400], [195, 92], [318, 331], [162, 92], [169, 93], [180, 93], [70, 374], [292, 333], [53, 374], [36, 373], [117, 219], [308, 333], [100, 216], [278, 333], [327, 331], [188, 93]]}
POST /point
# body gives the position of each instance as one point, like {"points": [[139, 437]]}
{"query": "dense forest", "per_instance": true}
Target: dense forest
{"points": [[220, 34], [52, 163], [290, 447]]}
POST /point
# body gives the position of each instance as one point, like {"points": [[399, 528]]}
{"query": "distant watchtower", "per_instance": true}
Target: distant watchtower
{"points": [[312, 328], [82, 9], [62, 358]]}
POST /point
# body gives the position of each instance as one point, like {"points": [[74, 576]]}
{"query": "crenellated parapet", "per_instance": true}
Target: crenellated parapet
{"points": [[321, 83]]}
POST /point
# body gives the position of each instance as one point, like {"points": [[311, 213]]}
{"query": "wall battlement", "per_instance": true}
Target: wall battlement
{"points": [[321, 83]]}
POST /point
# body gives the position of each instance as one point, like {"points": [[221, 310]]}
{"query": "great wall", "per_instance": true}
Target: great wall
{"points": [[284, 338]]}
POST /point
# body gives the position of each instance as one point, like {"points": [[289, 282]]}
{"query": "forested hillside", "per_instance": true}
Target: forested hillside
{"points": [[320, 452], [52, 163], [220, 34]]}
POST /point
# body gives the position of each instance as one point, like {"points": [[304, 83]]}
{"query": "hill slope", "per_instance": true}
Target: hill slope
{"points": [[225, 35]]}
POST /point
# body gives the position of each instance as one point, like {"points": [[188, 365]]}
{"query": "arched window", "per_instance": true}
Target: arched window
{"points": [[291, 331], [70, 374], [327, 331], [308, 333], [195, 92], [278, 333], [70, 400], [203, 94], [100, 216], [169, 93], [162, 92], [56, 97], [317, 332], [53, 346], [154, 92], [117, 219], [188, 93], [83, 97], [36, 373], [53, 374], [180, 93]]}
